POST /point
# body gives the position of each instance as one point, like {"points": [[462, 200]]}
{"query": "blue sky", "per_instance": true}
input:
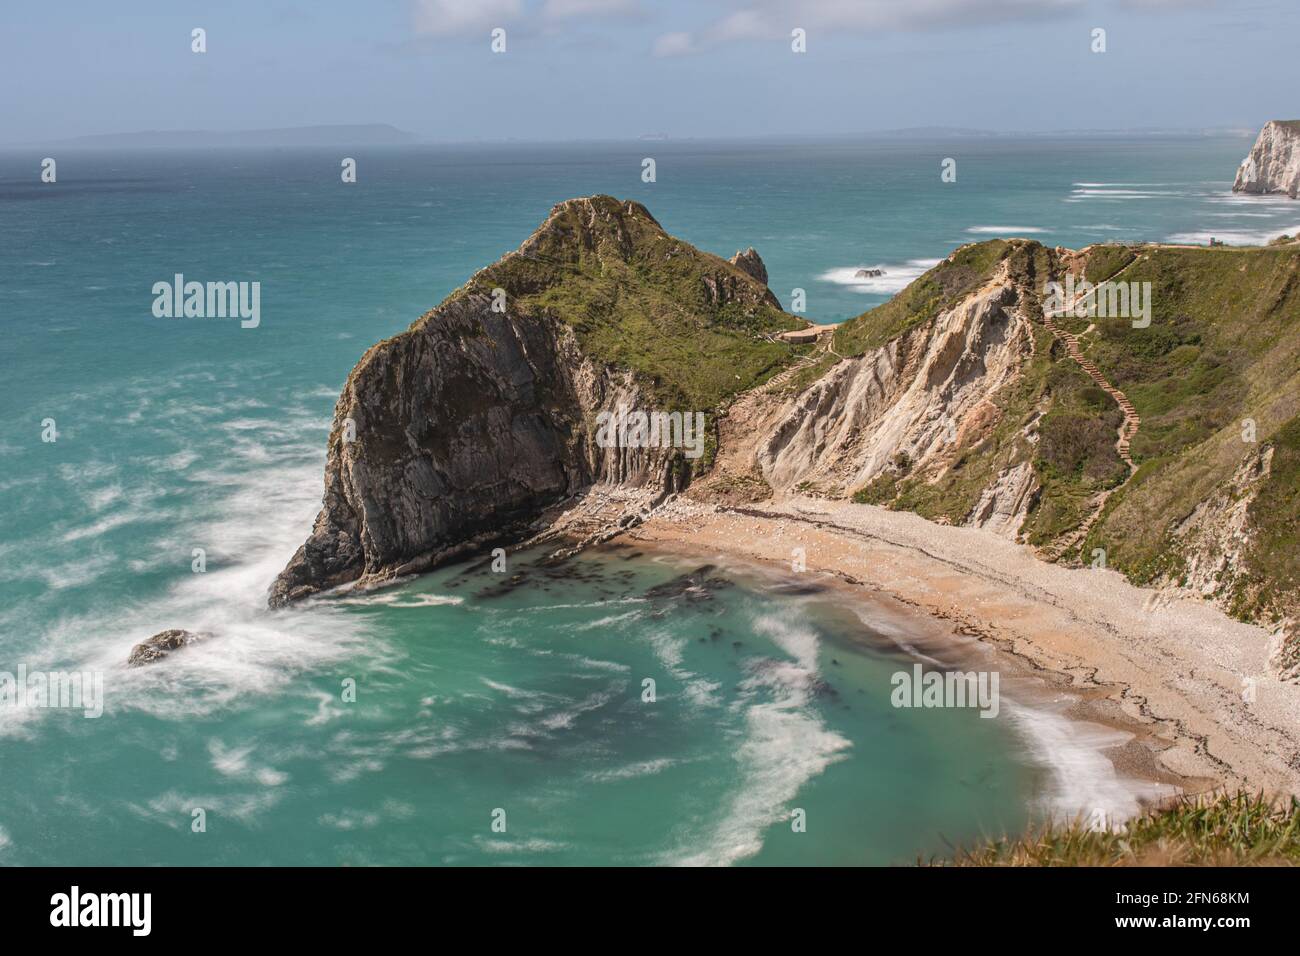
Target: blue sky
{"points": [[582, 69]]}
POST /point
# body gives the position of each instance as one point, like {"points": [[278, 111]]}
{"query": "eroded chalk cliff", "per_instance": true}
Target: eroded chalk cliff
{"points": [[1273, 165]]}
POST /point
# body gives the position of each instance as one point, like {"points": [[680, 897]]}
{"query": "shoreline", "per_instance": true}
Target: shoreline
{"points": [[1167, 672]]}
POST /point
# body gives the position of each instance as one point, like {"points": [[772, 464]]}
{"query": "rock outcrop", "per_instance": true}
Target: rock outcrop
{"points": [[1273, 165], [161, 645], [906, 402], [464, 429], [751, 263]]}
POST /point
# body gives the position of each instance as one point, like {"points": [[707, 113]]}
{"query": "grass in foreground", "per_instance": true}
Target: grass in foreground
{"points": [[1222, 830]]}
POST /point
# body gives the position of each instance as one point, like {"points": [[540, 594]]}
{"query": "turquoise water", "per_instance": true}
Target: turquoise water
{"points": [[182, 434]]}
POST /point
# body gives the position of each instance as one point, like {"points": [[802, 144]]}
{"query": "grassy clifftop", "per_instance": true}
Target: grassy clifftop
{"points": [[1237, 830], [1214, 377], [692, 325]]}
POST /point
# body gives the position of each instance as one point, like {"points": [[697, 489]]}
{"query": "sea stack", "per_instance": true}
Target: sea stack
{"points": [[1273, 165]]}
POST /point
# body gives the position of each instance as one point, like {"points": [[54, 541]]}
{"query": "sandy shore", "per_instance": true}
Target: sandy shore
{"points": [[1190, 684]]}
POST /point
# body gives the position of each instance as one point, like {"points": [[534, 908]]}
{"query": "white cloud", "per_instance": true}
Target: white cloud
{"points": [[560, 9], [674, 44], [772, 19], [441, 18]]}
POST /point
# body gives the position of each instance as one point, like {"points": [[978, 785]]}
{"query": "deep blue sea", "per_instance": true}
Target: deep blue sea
{"points": [[180, 434]]}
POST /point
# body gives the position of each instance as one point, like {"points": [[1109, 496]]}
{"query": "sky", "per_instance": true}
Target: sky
{"points": [[619, 69]]}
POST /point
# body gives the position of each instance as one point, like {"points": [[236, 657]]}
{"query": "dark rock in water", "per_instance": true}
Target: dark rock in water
{"points": [[161, 645], [868, 273], [697, 585], [822, 688], [795, 590]]}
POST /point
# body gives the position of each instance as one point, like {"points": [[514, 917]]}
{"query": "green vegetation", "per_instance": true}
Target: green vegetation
{"points": [[693, 326], [1073, 453], [1222, 348], [1105, 261], [942, 287], [1239, 830], [1271, 560]]}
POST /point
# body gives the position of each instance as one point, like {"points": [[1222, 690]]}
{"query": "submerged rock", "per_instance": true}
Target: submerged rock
{"points": [[697, 585], [161, 645]]}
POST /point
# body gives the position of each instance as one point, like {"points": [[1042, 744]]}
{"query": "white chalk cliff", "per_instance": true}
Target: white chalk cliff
{"points": [[1273, 165]]}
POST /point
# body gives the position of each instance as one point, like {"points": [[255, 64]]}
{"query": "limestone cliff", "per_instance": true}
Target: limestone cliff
{"points": [[467, 426], [1273, 165]]}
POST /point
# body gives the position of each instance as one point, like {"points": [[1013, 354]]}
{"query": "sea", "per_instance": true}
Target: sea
{"points": [[626, 708]]}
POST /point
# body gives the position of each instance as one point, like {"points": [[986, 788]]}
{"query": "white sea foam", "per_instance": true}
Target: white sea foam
{"points": [[1083, 193], [1245, 215], [786, 744], [535, 845], [564, 719], [1251, 199], [235, 762], [400, 600], [248, 650], [608, 621], [895, 279], [1235, 237], [592, 663], [643, 768], [1082, 780], [173, 808], [1006, 230], [506, 689]]}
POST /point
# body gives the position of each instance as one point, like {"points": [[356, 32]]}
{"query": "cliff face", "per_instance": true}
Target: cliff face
{"points": [[1273, 165], [1170, 449], [907, 402], [464, 428], [930, 419]]}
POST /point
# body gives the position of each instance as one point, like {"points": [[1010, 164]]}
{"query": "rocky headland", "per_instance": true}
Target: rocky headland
{"points": [[1167, 452], [1273, 165]]}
